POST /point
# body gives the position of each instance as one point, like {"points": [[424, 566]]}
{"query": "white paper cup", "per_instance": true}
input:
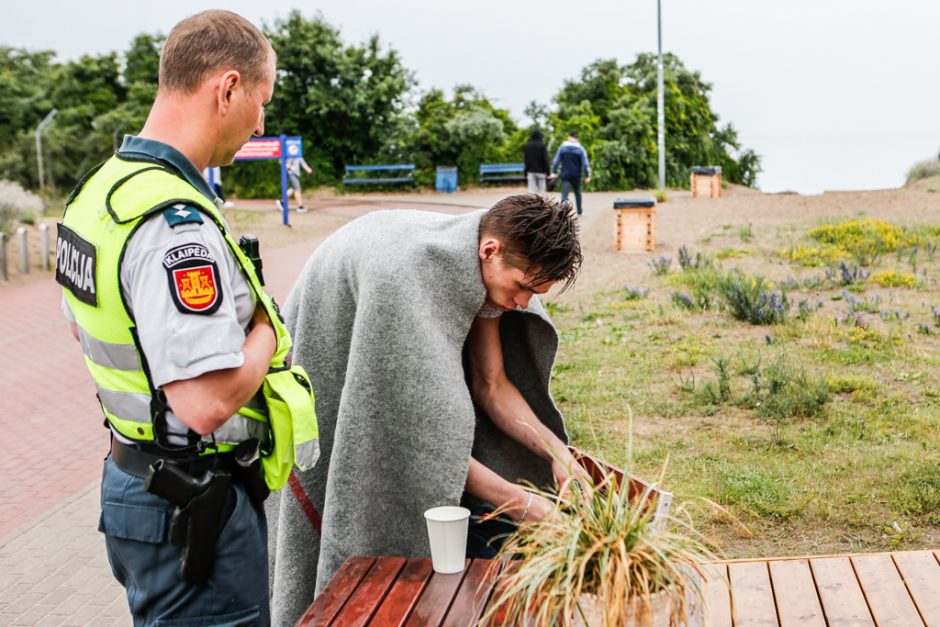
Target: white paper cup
{"points": [[447, 533]]}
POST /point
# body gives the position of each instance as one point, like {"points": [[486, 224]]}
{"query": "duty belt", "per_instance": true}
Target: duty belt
{"points": [[136, 462]]}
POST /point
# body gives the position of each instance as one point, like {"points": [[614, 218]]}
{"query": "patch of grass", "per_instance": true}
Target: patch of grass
{"points": [[746, 233], [553, 308], [731, 253], [758, 492], [860, 388], [920, 493], [781, 392]]}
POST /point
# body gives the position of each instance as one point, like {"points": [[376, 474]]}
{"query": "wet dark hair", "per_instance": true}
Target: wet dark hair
{"points": [[539, 236], [536, 134]]}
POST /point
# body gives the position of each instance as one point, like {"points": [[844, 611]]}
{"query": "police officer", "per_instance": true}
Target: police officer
{"points": [[182, 342]]}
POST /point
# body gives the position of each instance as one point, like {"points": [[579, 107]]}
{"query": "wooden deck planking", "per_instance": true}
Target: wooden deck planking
{"points": [[752, 595], [717, 596], [340, 588], [886, 589], [404, 595], [436, 599], [371, 591], [888, 599], [921, 573], [839, 592], [474, 593], [795, 594]]}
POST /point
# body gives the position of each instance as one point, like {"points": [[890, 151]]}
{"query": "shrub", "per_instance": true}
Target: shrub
{"points": [[634, 293], [751, 300], [688, 262], [845, 275], [866, 305], [812, 256], [661, 195], [805, 309], [17, 204], [923, 170], [661, 266], [890, 278], [683, 301], [865, 240], [781, 392]]}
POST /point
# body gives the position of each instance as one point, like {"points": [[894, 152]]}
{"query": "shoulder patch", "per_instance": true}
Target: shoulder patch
{"points": [[181, 214], [193, 278]]}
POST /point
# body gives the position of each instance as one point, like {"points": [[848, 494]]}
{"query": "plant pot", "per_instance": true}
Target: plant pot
{"points": [[636, 614]]}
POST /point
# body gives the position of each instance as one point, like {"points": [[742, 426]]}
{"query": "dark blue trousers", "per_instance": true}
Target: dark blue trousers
{"points": [[145, 562], [571, 184], [486, 537]]}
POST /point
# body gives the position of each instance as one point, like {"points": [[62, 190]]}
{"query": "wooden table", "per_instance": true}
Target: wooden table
{"points": [[882, 589]]}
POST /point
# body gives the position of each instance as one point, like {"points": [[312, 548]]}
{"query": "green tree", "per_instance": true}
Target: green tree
{"points": [[614, 108], [24, 101], [343, 100], [464, 131]]}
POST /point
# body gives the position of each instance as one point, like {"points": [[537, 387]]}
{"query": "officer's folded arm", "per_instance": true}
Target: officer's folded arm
{"points": [[205, 402]]}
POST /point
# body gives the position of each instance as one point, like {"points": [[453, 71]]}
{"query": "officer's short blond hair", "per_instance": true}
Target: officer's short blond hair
{"points": [[209, 41]]}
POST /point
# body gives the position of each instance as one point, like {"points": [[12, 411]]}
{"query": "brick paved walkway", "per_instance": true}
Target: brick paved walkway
{"points": [[53, 567]]}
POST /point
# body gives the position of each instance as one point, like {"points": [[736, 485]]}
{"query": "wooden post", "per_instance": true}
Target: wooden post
{"points": [[635, 224]]}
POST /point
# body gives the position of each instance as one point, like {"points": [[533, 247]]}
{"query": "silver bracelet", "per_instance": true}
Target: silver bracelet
{"points": [[525, 512]]}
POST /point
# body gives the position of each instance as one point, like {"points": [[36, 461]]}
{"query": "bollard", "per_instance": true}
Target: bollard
{"points": [[3, 257], [44, 245], [24, 254]]}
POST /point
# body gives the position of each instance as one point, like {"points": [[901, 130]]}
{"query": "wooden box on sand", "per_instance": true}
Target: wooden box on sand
{"points": [[706, 181], [635, 224]]}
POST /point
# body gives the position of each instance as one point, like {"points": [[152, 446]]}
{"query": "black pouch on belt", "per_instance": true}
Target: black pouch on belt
{"points": [[247, 469]]}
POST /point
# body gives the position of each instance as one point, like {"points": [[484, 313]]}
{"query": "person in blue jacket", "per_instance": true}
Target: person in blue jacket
{"points": [[573, 159]]}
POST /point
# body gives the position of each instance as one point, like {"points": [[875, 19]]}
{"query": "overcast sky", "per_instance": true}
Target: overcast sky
{"points": [[779, 70]]}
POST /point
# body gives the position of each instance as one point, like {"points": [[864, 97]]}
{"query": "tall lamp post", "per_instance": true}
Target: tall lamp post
{"points": [[660, 112], [39, 131]]}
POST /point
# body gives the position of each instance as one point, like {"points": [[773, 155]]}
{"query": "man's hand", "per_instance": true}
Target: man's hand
{"points": [[587, 179], [552, 177]]}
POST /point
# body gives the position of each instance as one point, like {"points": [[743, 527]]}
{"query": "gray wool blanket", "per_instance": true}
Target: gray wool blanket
{"points": [[379, 317]]}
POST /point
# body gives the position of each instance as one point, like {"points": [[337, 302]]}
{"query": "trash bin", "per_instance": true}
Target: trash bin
{"points": [[446, 180]]}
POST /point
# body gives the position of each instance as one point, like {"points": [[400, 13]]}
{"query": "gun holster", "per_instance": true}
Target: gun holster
{"points": [[195, 524]]}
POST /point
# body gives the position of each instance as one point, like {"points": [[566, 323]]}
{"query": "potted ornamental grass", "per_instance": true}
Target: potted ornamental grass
{"points": [[600, 560]]}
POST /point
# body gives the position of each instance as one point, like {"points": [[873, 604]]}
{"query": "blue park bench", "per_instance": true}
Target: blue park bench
{"points": [[502, 172], [351, 179]]}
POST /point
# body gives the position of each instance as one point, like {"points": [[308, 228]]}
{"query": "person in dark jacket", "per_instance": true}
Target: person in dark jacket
{"points": [[573, 159], [536, 163]]}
